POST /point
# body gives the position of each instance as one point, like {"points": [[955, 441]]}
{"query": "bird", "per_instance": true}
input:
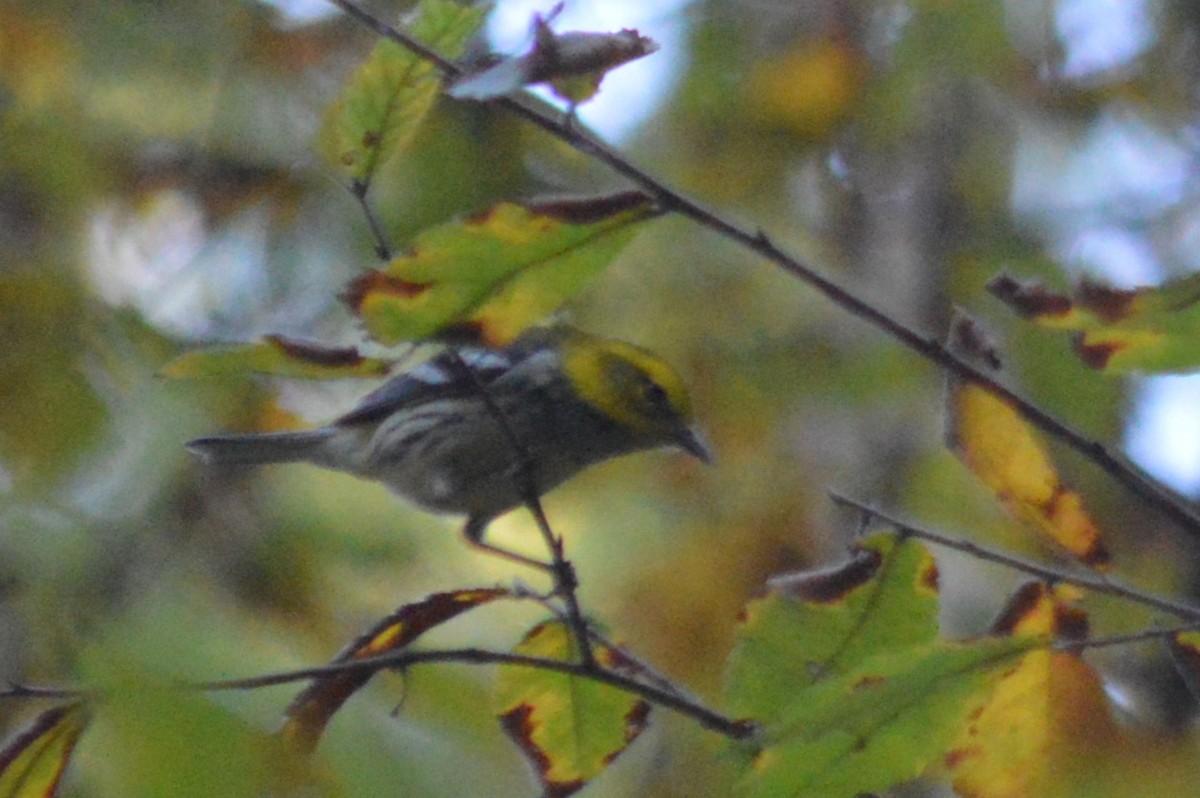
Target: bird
{"points": [[476, 430]]}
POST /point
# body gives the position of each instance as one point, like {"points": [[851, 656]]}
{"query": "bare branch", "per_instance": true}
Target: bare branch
{"points": [[669, 699], [1094, 583]]}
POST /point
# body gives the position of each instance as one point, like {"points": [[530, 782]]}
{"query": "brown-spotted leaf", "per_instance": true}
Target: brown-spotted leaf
{"points": [[569, 728], [1046, 720], [495, 273], [1150, 329], [312, 709], [277, 355], [1004, 452], [573, 64], [32, 763], [387, 98], [845, 673]]}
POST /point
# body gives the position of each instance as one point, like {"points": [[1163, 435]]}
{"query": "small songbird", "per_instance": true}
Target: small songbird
{"points": [[568, 399]]}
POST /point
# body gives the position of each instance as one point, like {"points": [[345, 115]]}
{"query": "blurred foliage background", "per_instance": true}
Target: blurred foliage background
{"points": [[159, 189]]}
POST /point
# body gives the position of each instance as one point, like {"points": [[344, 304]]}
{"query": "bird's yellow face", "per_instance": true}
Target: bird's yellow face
{"points": [[634, 387]]}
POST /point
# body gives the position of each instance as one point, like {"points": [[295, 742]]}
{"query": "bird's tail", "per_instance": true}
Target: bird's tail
{"points": [[273, 447]]}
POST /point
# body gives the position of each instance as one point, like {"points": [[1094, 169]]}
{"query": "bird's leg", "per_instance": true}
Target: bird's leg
{"points": [[474, 531]]}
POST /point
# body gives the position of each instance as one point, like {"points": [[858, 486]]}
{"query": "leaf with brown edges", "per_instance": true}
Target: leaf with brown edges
{"points": [[568, 727], [312, 709], [279, 356], [1149, 329], [988, 435], [1047, 720], [495, 273], [32, 763]]}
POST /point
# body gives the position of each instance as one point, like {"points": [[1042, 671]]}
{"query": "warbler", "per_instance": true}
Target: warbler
{"points": [[471, 430]]}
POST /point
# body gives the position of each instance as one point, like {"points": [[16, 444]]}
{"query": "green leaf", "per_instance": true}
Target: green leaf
{"points": [[844, 669], [882, 599], [569, 728], [881, 723], [1149, 329], [312, 709], [387, 98], [32, 763], [497, 272], [275, 354]]}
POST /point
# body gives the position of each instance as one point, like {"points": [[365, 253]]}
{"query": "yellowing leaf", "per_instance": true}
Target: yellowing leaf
{"points": [[312, 709], [1153, 329], [1001, 449], [1046, 719], [275, 354], [844, 669], [495, 273], [32, 763], [383, 105], [569, 728]]}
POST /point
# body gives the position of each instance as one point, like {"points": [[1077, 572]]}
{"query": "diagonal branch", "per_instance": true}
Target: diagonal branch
{"points": [[559, 125], [1087, 581]]}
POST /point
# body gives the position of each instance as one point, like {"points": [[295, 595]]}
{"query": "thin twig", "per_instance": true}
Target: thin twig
{"points": [[1146, 635], [383, 249], [563, 572], [475, 656], [1095, 584], [565, 581], [756, 240], [14, 690]]}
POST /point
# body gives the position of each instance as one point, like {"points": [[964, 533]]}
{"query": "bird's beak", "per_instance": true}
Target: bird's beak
{"points": [[694, 444]]}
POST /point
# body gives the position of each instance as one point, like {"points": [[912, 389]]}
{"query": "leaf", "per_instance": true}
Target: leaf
{"points": [[312, 709], [387, 98], [32, 763], [277, 355], [1151, 329], [497, 272], [1002, 450], [883, 598], [569, 728], [1045, 719], [856, 692], [574, 64]]}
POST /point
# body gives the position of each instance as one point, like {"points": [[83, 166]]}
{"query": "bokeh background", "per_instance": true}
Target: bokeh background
{"points": [[160, 189]]}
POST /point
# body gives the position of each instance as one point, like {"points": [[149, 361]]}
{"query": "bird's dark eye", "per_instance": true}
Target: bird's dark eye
{"points": [[654, 394]]}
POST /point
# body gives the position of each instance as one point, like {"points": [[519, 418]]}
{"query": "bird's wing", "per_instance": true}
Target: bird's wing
{"points": [[437, 378]]}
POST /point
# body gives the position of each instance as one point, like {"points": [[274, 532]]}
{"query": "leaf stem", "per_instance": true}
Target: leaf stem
{"points": [[758, 241]]}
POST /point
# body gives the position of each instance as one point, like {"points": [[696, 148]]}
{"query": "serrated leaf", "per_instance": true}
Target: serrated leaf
{"points": [[569, 728], [32, 762], [1044, 717], [277, 355], [992, 439], [844, 668], [1149, 329], [387, 98], [312, 709], [496, 272]]}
